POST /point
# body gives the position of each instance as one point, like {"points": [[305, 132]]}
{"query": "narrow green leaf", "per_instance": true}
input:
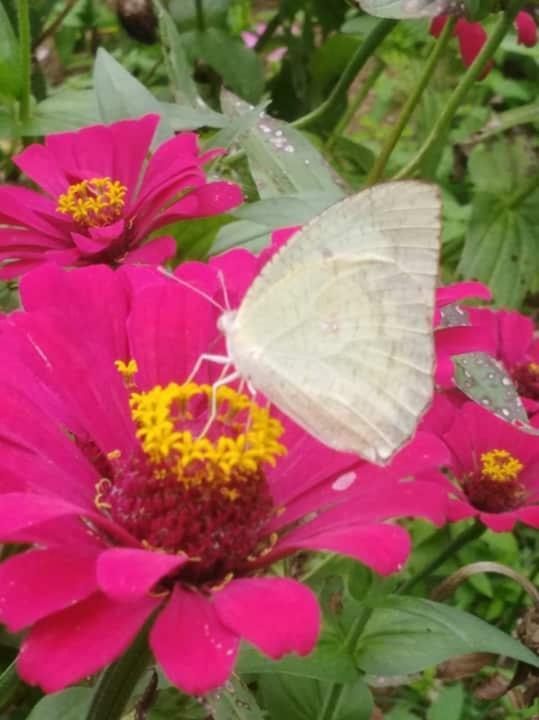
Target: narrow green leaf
{"points": [[406, 635], [70, 704], [281, 159], [10, 59], [233, 701], [121, 96], [179, 69]]}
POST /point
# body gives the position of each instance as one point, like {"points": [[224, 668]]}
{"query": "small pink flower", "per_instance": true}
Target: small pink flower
{"points": [[133, 504], [250, 38], [104, 197], [494, 467], [526, 29], [471, 37]]}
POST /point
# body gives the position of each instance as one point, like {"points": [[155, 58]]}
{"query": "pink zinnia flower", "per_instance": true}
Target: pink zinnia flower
{"points": [[494, 467], [135, 507], [103, 197]]}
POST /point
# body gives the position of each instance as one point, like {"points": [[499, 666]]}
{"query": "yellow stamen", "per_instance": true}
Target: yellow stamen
{"points": [[533, 368], [162, 417], [93, 203], [127, 371], [500, 466]]}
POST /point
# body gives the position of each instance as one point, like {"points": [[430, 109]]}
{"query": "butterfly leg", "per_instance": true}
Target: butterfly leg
{"points": [[223, 380], [205, 357]]}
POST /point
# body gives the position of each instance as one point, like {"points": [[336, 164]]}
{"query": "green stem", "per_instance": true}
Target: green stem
{"points": [[119, 680], [201, 20], [334, 696], [364, 90], [339, 92], [268, 33], [379, 166], [443, 123], [25, 44], [471, 533], [521, 194]]}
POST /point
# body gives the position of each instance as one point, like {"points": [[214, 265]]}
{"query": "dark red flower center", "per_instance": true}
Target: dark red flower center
{"points": [[496, 486], [526, 380], [197, 484]]}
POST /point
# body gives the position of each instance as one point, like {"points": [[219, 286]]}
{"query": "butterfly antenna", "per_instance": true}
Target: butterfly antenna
{"points": [[196, 290], [221, 277]]}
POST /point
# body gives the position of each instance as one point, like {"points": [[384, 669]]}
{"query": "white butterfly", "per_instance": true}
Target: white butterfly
{"points": [[336, 330], [402, 9]]}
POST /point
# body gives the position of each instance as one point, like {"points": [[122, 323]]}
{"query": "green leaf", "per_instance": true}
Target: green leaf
{"points": [[486, 382], [239, 67], [120, 95], [405, 635], [448, 705], [500, 247], [508, 119], [10, 60], [301, 698], [70, 704], [281, 159], [10, 684], [258, 220], [185, 117], [233, 701], [195, 237], [329, 661], [179, 69], [63, 111]]}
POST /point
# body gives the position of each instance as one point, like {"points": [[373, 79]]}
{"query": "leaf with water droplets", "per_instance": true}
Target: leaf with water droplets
{"points": [[453, 316], [281, 159], [485, 381], [233, 701]]}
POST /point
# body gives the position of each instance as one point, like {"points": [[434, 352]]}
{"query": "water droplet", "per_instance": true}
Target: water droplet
{"points": [[343, 482], [278, 133], [307, 162], [265, 128], [289, 148]]}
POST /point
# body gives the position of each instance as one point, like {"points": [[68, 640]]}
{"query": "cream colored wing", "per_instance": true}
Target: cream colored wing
{"points": [[337, 328]]}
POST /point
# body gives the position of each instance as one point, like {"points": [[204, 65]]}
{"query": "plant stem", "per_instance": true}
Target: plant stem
{"points": [[330, 708], [362, 54], [443, 123], [23, 16], [471, 533], [119, 680], [268, 33], [364, 90], [55, 24], [522, 193], [379, 166], [201, 20]]}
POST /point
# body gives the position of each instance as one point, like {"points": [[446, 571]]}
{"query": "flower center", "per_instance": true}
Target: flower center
{"points": [[93, 203], [496, 485], [526, 380], [196, 485]]}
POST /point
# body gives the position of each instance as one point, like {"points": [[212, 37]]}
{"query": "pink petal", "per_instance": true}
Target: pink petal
{"points": [[129, 574], [529, 515], [238, 268], [526, 29], [516, 332], [278, 239], [41, 165], [437, 25], [169, 328], [22, 511], [74, 643], [472, 37], [267, 613], [463, 290], [131, 141], [155, 252], [40, 582], [196, 650], [210, 199], [384, 548], [500, 522]]}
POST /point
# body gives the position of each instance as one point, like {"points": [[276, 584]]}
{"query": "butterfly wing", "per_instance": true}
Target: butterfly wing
{"points": [[336, 330], [402, 9]]}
